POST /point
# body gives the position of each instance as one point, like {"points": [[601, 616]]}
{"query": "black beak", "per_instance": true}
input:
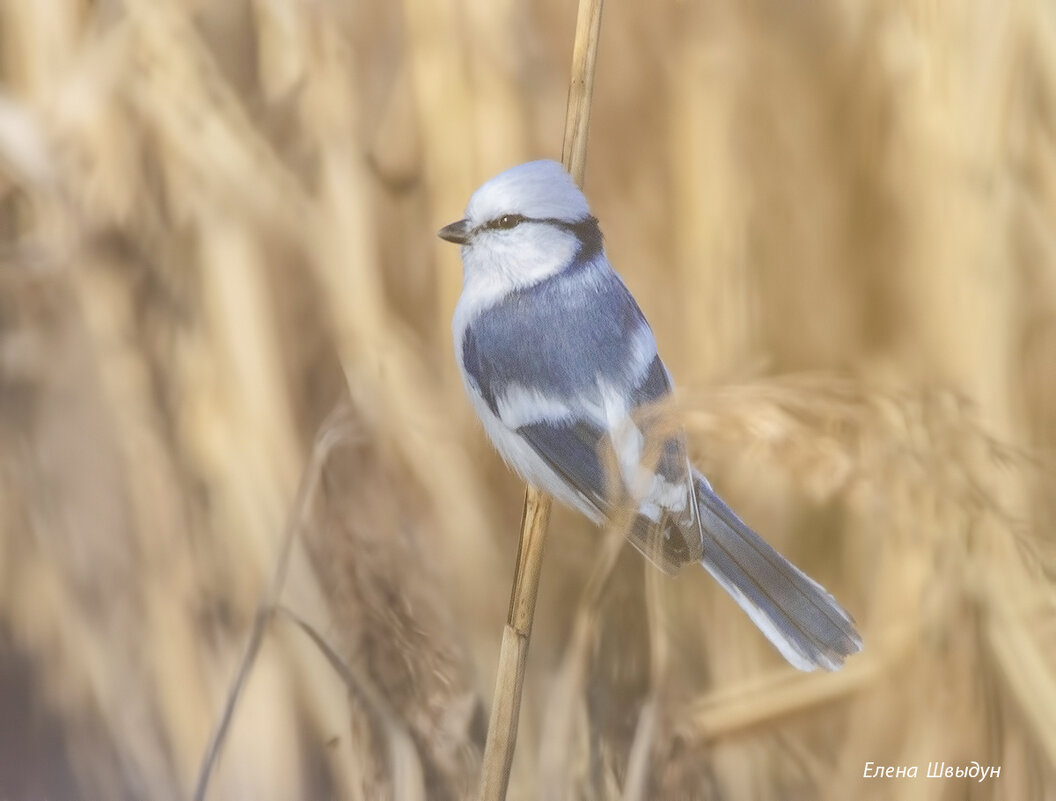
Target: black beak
{"points": [[457, 232]]}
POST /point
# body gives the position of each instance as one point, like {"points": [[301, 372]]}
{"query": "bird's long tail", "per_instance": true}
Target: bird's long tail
{"points": [[797, 615]]}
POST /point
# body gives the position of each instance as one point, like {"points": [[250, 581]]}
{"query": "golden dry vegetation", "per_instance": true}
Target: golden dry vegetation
{"points": [[220, 283]]}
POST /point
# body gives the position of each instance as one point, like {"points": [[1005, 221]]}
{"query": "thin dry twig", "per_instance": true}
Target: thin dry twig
{"points": [[334, 430], [638, 763], [568, 685], [506, 702], [407, 780], [781, 693], [1030, 681]]}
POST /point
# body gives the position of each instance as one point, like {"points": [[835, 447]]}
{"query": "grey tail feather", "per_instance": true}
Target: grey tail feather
{"points": [[796, 614]]}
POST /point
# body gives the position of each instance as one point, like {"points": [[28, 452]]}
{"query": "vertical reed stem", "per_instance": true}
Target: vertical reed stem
{"points": [[506, 701]]}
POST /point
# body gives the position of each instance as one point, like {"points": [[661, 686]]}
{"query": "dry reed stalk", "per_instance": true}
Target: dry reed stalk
{"points": [[883, 173], [238, 427], [391, 622], [384, 366], [766, 699], [444, 103], [581, 88], [513, 654], [709, 224], [1026, 671], [948, 558], [960, 129], [636, 784], [639, 762], [497, 73], [218, 159], [332, 433], [564, 704], [153, 599], [405, 767]]}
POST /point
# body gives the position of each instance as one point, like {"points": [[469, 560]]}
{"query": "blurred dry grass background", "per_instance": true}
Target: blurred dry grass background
{"points": [[217, 225]]}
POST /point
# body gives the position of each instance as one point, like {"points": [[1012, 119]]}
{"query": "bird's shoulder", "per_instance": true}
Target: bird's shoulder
{"points": [[563, 332], [584, 306]]}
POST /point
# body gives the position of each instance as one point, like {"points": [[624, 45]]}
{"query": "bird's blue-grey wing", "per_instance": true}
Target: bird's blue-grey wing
{"points": [[537, 357], [570, 342], [665, 529], [566, 441], [572, 449], [581, 452]]}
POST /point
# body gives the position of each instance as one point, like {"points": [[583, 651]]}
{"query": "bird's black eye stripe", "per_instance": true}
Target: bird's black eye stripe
{"points": [[505, 222], [585, 229]]}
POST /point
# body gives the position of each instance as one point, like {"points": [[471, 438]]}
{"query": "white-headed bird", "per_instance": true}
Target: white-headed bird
{"points": [[558, 361]]}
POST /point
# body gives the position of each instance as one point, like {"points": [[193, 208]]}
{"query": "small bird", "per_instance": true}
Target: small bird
{"points": [[559, 363]]}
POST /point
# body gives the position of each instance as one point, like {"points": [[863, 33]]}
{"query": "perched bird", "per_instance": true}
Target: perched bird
{"points": [[559, 361]]}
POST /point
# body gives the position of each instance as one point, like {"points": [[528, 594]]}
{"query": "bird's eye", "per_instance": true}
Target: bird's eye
{"points": [[506, 221]]}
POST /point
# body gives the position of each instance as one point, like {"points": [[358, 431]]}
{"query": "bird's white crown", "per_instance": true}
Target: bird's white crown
{"points": [[537, 189]]}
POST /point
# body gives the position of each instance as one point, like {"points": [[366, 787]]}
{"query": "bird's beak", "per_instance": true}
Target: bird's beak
{"points": [[457, 232]]}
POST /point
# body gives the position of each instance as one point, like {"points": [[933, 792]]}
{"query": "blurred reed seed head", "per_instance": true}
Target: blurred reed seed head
{"points": [[218, 222]]}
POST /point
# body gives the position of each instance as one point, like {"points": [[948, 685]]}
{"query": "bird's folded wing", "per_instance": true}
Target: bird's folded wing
{"points": [[577, 451], [571, 449]]}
